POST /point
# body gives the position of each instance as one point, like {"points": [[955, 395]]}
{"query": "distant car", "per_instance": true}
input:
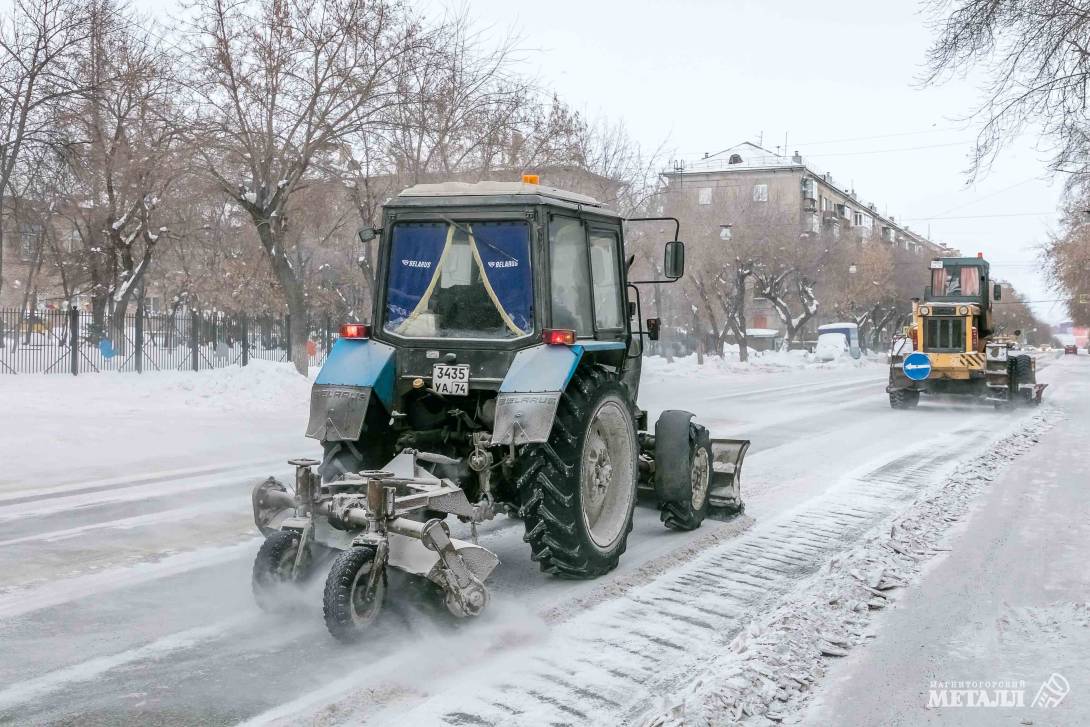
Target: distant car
{"points": [[831, 346], [1071, 348]]}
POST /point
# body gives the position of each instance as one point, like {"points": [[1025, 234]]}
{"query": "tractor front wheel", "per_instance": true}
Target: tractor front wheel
{"points": [[688, 512], [577, 490]]}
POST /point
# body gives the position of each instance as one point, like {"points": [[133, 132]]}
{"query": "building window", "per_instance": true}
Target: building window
{"points": [[704, 195], [74, 241], [760, 192], [824, 205], [814, 223]]}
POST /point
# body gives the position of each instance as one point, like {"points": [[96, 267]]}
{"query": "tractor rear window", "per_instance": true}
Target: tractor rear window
{"points": [[944, 334], [457, 279]]}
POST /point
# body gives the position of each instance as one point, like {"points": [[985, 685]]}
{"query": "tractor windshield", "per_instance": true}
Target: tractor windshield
{"points": [[457, 279], [955, 281]]}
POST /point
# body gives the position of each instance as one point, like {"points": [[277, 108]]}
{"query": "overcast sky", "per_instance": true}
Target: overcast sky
{"points": [[840, 81]]}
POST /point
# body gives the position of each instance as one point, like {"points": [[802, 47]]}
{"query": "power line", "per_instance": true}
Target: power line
{"points": [[987, 196], [981, 217], [844, 140], [888, 151], [881, 136]]}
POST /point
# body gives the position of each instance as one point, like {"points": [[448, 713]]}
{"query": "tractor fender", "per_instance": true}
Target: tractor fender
{"points": [[530, 392], [355, 371], [673, 449]]}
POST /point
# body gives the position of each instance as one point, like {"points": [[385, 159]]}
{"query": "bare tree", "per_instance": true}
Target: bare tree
{"points": [[284, 87], [37, 41], [123, 139], [1037, 55]]}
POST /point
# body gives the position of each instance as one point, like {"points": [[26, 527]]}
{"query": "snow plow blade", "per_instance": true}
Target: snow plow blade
{"points": [[725, 494]]}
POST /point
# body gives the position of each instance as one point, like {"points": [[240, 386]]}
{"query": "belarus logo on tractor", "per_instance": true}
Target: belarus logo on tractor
{"points": [[500, 376]]}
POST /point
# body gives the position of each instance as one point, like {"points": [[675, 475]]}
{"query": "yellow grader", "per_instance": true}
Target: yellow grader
{"points": [[951, 349]]}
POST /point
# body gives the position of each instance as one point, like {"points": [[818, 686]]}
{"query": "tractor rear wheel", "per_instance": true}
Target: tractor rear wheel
{"points": [[370, 452], [904, 399], [577, 490]]}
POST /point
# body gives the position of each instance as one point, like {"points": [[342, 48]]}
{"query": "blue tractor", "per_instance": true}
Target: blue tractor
{"points": [[499, 378]]}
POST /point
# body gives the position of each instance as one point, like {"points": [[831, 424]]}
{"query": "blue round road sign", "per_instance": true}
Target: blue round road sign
{"points": [[917, 366]]}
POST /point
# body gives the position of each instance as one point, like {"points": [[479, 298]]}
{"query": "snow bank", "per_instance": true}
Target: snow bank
{"points": [[767, 675], [260, 386], [759, 362]]}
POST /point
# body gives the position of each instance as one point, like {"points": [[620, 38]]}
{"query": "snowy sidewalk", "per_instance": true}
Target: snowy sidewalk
{"points": [[1008, 604]]}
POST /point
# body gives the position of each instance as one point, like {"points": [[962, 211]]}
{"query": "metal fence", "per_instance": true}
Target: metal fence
{"points": [[73, 342]]}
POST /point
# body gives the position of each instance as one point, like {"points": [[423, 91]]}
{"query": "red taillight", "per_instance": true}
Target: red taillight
{"points": [[355, 330], [916, 339], [976, 338], [558, 337]]}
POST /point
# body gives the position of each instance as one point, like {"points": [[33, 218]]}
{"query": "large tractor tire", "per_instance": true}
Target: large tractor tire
{"points": [[577, 491], [370, 452], [904, 399]]}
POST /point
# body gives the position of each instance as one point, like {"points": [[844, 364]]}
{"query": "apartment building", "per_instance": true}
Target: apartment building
{"points": [[748, 186]]}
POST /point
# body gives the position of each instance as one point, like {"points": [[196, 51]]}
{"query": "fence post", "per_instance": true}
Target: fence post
{"points": [[245, 340], [139, 333], [328, 334], [194, 340], [287, 332], [73, 338]]}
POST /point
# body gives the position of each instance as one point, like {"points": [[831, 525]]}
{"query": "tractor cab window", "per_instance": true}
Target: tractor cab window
{"points": [[955, 281], [570, 276], [604, 265], [459, 279]]}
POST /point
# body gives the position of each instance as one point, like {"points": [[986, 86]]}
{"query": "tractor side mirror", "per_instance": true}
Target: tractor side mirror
{"points": [[674, 265], [366, 234], [997, 291], [653, 326]]}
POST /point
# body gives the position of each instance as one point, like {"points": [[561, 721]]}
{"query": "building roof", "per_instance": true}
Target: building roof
{"points": [[746, 155], [493, 189]]}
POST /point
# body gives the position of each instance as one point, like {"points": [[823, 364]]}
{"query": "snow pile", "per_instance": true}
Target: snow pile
{"points": [[771, 666], [759, 362], [260, 386]]}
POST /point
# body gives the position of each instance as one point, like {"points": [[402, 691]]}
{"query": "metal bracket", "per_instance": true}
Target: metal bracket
{"points": [[466, 594]]}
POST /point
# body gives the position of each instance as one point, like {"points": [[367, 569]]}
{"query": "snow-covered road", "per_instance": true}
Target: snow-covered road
{"points": [[126, 542]]}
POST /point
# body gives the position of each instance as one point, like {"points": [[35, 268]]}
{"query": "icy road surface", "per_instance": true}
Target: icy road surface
{"points": [[126, 542]]}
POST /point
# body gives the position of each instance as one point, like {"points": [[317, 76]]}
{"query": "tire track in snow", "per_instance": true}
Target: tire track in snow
{"points": [[58, 592], [141, 478], [647, 644], [38, 687]]}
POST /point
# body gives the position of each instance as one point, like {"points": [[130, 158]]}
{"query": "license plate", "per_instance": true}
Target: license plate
{"points": [[451, 380]]}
